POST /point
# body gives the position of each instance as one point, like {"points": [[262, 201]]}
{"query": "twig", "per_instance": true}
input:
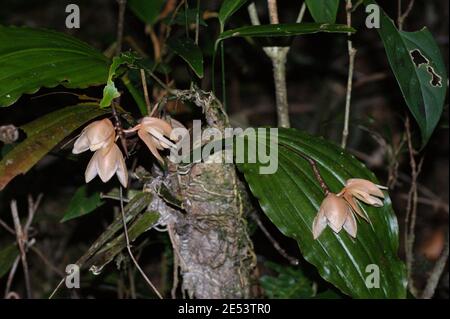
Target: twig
{"points": [[301, 14], [21, 242], [436, 273], [120, 25], [411, 209], [273, 11], [125, 228], [144, 87], [12, 272], [7, 228], [402, 16], [278, 55], [351, 66], [275, 244]]}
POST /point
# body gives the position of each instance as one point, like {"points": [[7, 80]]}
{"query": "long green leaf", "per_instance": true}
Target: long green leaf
{"points": [[82, 203], [291, 198], [43, 135], [323, 11], [35, 58], [189, 52], [284, 30], [146, 10], [420, 71], [228, 8]]}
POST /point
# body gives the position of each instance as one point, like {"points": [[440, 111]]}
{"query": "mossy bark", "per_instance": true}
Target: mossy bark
{"points": [[211, 243]]}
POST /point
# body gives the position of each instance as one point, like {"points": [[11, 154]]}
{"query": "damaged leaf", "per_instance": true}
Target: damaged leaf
{"points": [[420, 71]]}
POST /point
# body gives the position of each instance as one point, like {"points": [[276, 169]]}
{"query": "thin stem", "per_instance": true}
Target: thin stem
{"points": [[275, 244], [411, 209], [273, 11], [278, 55], [301, 14], [197, 23], [21, 242], [402, 16], [436, 273], [351, 66], [223, 76], [145, 89], [120, 25], [125, 228]]}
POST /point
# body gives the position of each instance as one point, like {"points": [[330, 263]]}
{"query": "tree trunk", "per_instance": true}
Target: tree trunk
{"points": [[211, 243]]}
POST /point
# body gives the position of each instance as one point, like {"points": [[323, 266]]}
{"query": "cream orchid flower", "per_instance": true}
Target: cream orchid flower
{"points": [[336, 213], [105, 163], [156, 134], [98, 134], [365, 191]]}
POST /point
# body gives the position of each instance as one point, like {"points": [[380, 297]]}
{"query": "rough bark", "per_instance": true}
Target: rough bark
{"points": [[211, 243]]}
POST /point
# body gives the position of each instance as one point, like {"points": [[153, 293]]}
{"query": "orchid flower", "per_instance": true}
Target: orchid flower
{"points": [[336, 213], [156, 134], [337, 210], [100, 136]]}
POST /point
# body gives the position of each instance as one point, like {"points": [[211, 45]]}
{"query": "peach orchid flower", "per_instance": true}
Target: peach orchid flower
{"points": [[156, 134], [337, 210], [100, 136], [336, 213]]}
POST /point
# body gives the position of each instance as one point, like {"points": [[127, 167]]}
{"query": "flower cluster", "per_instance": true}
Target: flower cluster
{"points": [[107, 161], [338, 210], [100, 137]]}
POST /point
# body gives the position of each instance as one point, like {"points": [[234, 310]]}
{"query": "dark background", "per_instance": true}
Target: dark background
{"points": [[317, 74]]}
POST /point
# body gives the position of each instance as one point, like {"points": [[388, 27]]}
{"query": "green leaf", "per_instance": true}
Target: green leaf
{"points": [[291, 283], [35, 58], [228, 8], [284, 30], [43, 135], [7, 257], [420, 71], [110, 91], [189, 52], [146, 10], [291, 198], [323, 11], [82, 203]]}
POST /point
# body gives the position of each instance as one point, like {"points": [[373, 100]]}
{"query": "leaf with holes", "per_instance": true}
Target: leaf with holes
{"points": [[420, 71], [291, 197], [35, 58], [189, 52], [323, 11], [43, 135]]}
